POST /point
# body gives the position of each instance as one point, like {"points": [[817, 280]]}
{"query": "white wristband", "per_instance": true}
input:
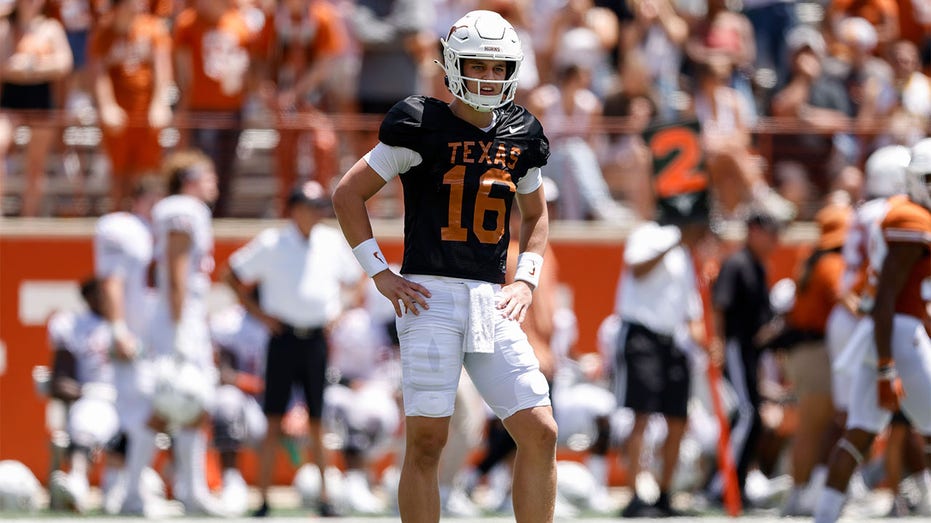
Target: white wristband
{"points": [[370, 257], [529, 265], [120, 329]]}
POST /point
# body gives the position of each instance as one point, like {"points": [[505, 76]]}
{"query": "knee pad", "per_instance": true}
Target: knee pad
{"points": [[850, 448], [430, 404]]}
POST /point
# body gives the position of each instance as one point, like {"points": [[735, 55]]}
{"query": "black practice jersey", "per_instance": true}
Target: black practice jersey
{"points": [[457, 202]]}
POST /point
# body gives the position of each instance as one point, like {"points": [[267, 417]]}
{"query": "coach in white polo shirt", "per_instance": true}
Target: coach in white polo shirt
{"points": [[660, 306], [300, 270]]}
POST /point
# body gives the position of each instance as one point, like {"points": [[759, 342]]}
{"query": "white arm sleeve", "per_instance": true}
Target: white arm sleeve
{"points": [[389, 161], [531, 181]]}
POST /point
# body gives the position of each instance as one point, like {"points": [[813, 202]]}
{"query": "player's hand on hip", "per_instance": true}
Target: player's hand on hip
{"points": [[515, 300], [402, 292]]}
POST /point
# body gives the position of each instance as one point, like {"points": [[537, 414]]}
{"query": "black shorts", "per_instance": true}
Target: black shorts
{"points": [[295, 357], [652, 374]]}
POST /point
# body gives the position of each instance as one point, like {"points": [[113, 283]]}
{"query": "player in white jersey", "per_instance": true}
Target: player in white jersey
{"points": [[894, 366], [885, 177], [122, 255], [179, 337], [240, 340], [83, 378]]}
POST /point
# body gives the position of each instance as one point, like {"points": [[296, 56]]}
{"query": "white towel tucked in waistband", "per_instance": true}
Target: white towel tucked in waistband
{"points": [[481, 328]]}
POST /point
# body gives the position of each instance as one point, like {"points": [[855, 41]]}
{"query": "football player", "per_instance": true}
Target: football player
{"points": [[240, 340], [82, 377], [462, 165], [179, 337], [896, 371]]}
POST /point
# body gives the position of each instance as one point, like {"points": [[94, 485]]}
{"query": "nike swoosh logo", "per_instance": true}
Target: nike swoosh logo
{"points": [[377, 257], [533, 270], [515, 129]]}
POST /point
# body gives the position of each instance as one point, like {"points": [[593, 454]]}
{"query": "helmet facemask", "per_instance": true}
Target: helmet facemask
{"points": [[482, 35]]}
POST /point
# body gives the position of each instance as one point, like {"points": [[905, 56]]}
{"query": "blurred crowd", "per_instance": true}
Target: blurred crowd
{"points": [[790, 96]]}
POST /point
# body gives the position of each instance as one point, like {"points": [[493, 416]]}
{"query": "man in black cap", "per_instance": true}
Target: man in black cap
{"points": [[302, 269], [740, 298]]}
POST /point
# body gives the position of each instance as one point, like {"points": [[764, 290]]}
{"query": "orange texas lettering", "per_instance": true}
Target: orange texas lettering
{"points": [[482, 152]]}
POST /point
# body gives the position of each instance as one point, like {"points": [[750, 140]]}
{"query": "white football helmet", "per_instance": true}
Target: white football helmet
{"points": [[483, 35], [183, 391], [920, 164], [20, 491], [885, 171]]}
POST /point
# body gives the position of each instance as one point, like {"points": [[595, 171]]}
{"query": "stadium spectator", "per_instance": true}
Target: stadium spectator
{"points": [[726, 119], [882, 15], [34, 54], [724, 31], [772, 21], [627, 161], [569, 110], [130, 55], [394, 38], [301, 269], [78, 18], [740, 299], [912, 108], [211, 52], [584, 35], [658, 33], [305, 49], [818, 101]]}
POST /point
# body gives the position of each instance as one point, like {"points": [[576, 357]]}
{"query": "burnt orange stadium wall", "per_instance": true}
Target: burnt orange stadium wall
{"points": [[590, 269]]}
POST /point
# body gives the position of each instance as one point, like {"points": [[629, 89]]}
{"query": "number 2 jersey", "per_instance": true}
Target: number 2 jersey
{"points": [[459, 185]]}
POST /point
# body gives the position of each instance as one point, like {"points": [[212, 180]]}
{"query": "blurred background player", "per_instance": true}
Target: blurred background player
{"points": [[301, 269], [122, 256], [179, 337], [82, 377], [808, 364], [362, 406], [131, 63], [240, 341], [895, 368]]}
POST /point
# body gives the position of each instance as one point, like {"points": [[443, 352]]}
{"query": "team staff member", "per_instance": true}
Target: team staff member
{"points": [[659, 303], [301, 268], [462, 165], [740, 298]]}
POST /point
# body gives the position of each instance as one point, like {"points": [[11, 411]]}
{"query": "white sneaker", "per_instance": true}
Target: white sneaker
{"points": [[235, 495], [459, 505], [205, 505], [67, 492], [601, 502], [359, 495]]}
